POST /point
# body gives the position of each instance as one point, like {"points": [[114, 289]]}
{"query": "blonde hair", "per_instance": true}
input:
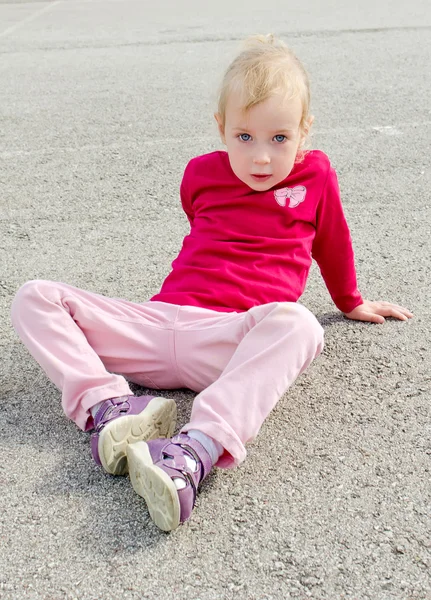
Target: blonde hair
{"points": [[265, 67]]}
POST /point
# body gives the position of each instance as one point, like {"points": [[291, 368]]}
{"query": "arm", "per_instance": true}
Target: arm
{"points": [[332, 248], [186, 200], [333, 251]]}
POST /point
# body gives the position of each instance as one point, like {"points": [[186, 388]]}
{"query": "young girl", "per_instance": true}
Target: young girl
{"points": [[226, 322]]}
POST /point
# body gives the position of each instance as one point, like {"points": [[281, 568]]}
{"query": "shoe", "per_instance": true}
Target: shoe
{"points": [[152, 468], [123, 421]]}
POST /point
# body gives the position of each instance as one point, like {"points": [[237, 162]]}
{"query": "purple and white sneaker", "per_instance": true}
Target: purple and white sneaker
{"points": [[123, 421], [166, 473]]}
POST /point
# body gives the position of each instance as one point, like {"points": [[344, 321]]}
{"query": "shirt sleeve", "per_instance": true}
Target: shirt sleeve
{"points": [[185, 194], [332, 248]]}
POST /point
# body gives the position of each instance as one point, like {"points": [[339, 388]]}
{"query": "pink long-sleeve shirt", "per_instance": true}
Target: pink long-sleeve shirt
{"points": [[247, 248]]}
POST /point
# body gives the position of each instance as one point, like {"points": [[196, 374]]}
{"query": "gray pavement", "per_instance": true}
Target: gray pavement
{"points": [[102, 103]]}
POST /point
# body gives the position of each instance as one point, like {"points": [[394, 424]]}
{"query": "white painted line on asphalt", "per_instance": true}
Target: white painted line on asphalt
{"points": [[29, 18], [388, 130]]}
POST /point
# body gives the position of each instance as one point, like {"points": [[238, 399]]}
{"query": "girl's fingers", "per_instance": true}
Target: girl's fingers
{"points": [[374, 318], [405, 312], [370, 317], [398, 315], [375, 312], [397, 307], [392, 312]]}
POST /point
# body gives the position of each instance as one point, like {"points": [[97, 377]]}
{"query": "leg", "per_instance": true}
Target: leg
{"points": [[82, 340], [279, 341], [76, 336], [243, 363]]}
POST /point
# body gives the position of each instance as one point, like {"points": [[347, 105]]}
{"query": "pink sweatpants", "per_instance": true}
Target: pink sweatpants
{"points": [[240, 363]]}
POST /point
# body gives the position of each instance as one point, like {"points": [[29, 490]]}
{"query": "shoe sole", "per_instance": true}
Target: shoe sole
{"points": [[154, 486], [157, 420]]}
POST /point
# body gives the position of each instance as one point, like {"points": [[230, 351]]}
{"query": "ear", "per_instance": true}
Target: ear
{"points": [[310, 122], [306, 130], [220, 127]]}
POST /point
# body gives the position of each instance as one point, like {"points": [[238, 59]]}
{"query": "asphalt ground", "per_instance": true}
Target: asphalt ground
{"points": [[102, 103]]}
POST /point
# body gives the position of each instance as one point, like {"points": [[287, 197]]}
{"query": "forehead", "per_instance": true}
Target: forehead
{"points": [[275, 112]]}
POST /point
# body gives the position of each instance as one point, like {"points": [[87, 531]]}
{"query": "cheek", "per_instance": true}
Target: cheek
{"points": [[288, 155], [285, 161], [237, 156], [236, 159]]}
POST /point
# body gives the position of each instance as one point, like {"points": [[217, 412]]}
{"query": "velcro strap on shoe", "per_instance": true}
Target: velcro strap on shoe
{"points": [[198, 452]]}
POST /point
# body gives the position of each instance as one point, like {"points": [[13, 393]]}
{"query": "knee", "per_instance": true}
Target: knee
{"points": [[303, 320], [25, 297], [311, 325]]}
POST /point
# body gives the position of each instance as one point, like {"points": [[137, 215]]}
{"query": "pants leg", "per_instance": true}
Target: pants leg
{"points": [[264, 349], [83, 341]]}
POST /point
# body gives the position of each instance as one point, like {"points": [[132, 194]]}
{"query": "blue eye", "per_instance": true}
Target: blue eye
{"points": [[245, 137], [280, 138]]}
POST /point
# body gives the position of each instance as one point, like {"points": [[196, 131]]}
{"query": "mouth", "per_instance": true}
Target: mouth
{"points": [[260, 177]]}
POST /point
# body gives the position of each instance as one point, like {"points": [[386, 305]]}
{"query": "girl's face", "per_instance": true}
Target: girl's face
{"points": [[262, 142]]}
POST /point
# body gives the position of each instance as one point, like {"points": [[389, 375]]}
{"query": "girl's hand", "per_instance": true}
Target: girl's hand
{"points": [[375, 312]]}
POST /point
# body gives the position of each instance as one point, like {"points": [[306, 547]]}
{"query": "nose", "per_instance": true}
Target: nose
{"points": [[261, 158]]}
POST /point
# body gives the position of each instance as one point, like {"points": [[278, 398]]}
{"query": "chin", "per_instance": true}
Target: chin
{"points": [[264, 186]]}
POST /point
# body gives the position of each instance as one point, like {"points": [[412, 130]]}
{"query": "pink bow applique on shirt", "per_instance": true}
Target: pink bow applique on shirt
{"points": [[295, 195]]}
